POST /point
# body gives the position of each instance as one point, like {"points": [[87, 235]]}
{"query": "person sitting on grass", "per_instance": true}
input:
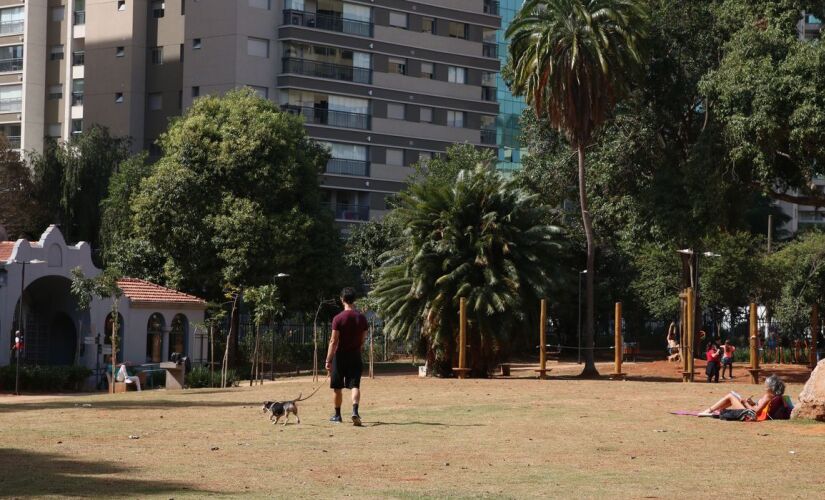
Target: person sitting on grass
{"points": [[727, 358], [773, 404], [713, 354]]}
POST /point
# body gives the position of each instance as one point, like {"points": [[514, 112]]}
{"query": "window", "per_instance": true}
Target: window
{"points": [[154, 338], [428, 25], [257, 47], [77, 126], [196, 44], [158, 8], [260, 4], [118, 97], [56, 53], [456, 75], [11, 58], [397, 65], [455, 119], [78, 58], [424, 156], [261, 91], [54, 130], [398, 19], [196, 91], [395, 157], [57, 13], [120, 51], [79, 13], [56, 91], [11, 98], [12, 20], [78, 86], [156, 55], [427, 70], [457, 30], [121, 5], [155, 101], [426, 115], [396, 111]]}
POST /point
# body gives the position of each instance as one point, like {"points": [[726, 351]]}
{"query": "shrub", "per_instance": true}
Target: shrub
{"points": [[199, 377], [38, 378]]}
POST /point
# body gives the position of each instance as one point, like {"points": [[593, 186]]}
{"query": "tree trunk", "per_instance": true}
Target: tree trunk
{"points": [[254, 365], [78, 342], [232, 340], [588, 340]]}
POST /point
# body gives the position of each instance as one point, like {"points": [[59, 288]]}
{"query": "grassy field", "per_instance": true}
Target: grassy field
{"points": [[423, 438]]}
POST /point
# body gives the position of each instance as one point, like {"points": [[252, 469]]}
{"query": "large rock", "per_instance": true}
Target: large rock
{"points": [[812, 398]]}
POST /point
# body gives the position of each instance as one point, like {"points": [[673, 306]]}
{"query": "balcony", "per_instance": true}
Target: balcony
{"points": [[343, 166], [327, 70], [11, 105], [333, 118], [11, 65], [11, 27], [349, 212], [327, 22], [489, 50], [488, 94], [77, 98], [488, 136], [79, 17], [78, 58], [491, 7]]}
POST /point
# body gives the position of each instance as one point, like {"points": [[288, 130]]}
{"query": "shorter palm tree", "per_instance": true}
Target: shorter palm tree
{"points": [[481, 238]]}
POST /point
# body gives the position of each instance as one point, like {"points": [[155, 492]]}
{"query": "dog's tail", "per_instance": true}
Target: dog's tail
{"points": [[310, 395]]}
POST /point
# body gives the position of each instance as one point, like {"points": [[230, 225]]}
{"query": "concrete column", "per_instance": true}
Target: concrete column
{"points": [[165, 343]]}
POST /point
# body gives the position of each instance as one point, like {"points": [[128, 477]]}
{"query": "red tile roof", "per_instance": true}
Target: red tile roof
{"points": [[6, 248], [138, 290]]}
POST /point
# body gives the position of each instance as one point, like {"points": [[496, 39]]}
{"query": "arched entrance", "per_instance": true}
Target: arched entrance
{"points": [[50, 318], [177, 335], [154, 338]]}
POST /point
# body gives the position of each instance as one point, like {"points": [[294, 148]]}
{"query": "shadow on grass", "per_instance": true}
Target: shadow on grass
{"points": [[27, 473], [132, 404], [415, 422]]}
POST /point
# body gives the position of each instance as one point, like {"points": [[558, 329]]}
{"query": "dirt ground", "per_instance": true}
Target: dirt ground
{"points": [[514, 437]]}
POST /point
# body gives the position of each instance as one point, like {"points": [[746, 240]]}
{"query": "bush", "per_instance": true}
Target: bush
{"points": [[199, 377], [45, 378]]}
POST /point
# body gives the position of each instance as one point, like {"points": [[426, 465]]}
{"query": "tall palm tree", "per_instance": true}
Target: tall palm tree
{"points": [[572, 59], [479, 238]]}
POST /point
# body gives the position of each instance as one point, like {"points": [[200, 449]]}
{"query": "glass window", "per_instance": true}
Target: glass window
{"points": [[158, 8], [398, 19], [12, 20], [347, 104], [56, 91], [121, 5], [426, 115], [257, 47], [118, 97], [56, 53], [196, 43], [177, 335], [154, 338], [54, 130], [57, 13], [455, 119], [397, 65], [120, 51], [428, 25], [294, 5], [424, 156], [395, 157], [488, 79], [77, 126], [11, 98], [196, 91], [427, 70], [396, 111], [347, 151], [155, 101], [357, 12], [457, 30], [456, 75], [156, 55]]}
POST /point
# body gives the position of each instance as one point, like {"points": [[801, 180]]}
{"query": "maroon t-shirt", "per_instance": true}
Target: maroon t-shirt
{"points": [[350, 325]]}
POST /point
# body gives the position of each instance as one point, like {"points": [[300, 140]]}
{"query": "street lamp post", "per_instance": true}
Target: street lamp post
{"points": [[18, 341], [579, 327]]}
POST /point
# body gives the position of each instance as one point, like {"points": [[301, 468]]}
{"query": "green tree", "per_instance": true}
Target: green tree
{"points": [[116, 218], [799, 270], [480, 238], [72, 178], [572, 60], [21, 213], [445, 168], [367, 244], [83, 290], [266, 302]]}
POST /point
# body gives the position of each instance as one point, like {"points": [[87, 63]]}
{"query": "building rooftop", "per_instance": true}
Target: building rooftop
{"points": [[141, 291]]}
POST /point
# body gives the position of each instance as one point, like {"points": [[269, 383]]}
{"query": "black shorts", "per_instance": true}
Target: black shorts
{"points": [[346, 370]]}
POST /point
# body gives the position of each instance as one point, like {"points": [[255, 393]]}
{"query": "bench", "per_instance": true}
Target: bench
{"points": [[119, 387]]}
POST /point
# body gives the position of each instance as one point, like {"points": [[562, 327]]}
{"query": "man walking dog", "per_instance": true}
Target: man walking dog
{"points": [[349, 329]]}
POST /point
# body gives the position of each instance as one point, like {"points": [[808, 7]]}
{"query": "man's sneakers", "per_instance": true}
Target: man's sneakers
{"points": [[356, 420], [335, 419]]}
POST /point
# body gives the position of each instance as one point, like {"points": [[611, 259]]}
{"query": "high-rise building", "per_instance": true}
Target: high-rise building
{"points": [[384, 83], [510, 107]]}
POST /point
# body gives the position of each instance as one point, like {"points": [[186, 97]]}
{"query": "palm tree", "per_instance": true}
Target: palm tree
{"points": [[572, 59], [479, 238]]}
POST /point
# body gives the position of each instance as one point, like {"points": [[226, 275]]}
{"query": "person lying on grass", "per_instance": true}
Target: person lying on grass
{"points": [[771, 405]]}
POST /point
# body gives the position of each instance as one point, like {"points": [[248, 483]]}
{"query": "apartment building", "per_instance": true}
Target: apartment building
{"points": [[383, 83]]}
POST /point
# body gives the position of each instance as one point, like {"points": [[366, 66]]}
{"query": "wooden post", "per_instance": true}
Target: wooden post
{"points": [[619, 344], [372, 354], [683, 349], [462, 339], [543, 339], [687, 375], [753, 328], [814, 336]]}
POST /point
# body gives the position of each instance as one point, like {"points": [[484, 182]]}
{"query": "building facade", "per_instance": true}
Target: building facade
{"points": [[383, 83], [508, 122]]}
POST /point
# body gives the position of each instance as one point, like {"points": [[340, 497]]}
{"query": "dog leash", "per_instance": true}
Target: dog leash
{"points": [[314, 391]]}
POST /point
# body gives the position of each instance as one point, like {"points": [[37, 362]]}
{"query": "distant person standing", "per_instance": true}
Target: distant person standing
{"points": [[713, 355], [349, 329], [727, 358]]}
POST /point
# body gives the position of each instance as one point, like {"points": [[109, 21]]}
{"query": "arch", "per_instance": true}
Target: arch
{"points": [[49, 321], [154, 337], [55, 256], [61, 339], [178, 334]]}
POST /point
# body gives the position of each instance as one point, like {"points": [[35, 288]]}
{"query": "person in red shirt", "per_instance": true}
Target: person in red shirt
{"points": [[714, 355], [349, 329]]}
